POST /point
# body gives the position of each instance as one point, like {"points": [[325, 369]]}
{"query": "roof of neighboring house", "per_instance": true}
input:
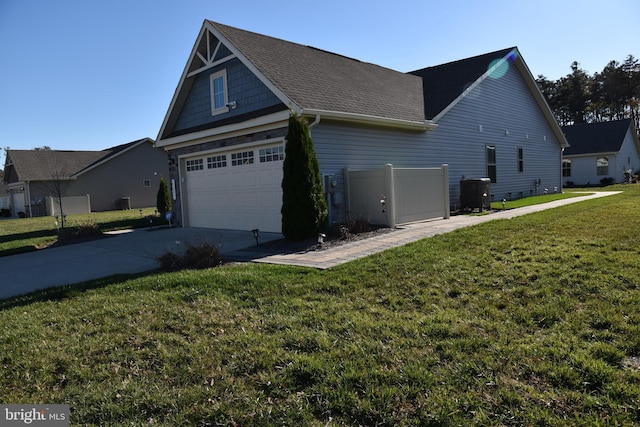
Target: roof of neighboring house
{"points": [[47, 165], [442, 84], [592, 138]]}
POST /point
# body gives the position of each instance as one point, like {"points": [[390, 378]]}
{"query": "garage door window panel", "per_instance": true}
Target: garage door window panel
{"points": [[195, 165], [271, 154], [217, 162], [242, 158]]}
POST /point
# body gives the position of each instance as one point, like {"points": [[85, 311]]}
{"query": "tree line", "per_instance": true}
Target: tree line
{"points": [[611, 94]]}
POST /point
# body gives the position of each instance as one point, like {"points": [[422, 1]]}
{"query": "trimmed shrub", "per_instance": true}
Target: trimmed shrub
{"points": [[304, 209], [163, 201]]}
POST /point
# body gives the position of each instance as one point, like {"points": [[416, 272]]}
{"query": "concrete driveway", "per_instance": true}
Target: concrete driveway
{"points": [[121, 253]]}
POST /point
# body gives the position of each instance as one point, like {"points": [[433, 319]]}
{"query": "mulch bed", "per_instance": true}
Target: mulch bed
{"points": [[330, 241]]}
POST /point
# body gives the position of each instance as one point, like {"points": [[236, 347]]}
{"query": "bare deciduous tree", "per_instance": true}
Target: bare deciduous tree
{"points": [[58, 184]]}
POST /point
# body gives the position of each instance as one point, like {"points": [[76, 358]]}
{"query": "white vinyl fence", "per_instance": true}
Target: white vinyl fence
{"points": [[70, 205], [393, 196]]}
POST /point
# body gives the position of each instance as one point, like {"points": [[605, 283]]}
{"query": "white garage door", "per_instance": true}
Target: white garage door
{"points": [[236, 190]]}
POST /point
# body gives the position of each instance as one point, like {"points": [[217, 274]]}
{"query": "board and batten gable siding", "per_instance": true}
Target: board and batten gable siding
{"points": [[249, 93], [500, 112]]}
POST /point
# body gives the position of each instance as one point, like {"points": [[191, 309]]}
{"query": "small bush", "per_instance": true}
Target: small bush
{"points": [[88, 229], [195, 257], [351, 226], [82, 231], [170, 261], [203, 255], [607, 181]]}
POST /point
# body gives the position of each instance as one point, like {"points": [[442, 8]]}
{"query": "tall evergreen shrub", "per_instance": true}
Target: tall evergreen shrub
{"points": [[304, 209], [163, 201]]}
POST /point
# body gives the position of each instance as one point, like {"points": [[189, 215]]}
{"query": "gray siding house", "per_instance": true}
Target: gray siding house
{"points": [[131, 171], [600, 151], [226, 125]]}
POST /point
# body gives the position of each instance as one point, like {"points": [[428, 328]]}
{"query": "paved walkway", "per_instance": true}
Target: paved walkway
{"points": [[331, 257]]}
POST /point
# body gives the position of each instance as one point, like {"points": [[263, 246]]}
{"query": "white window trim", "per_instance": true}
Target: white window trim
{"points": [[224, 109]]}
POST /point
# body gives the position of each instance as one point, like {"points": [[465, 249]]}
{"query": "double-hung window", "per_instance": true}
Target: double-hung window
{"points": [[219, 97], [520, 160], [602, 166], [492, 168]]}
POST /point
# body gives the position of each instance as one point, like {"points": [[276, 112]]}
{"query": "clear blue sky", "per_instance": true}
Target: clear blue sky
{"points": [[88, 75]]}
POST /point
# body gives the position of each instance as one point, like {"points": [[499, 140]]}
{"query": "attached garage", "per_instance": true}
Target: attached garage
{"points": [[236, 189]]}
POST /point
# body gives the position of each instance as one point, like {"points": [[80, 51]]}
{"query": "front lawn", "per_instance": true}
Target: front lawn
{"points": [[536, 200], [28, 234], [531, 321]]}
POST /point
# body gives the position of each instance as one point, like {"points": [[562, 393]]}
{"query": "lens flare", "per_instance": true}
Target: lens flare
{"points": [[499, 67]]}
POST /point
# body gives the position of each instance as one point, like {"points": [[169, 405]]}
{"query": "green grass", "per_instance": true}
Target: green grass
{"points": [[536, 200], [530, 321], [29, 234]]}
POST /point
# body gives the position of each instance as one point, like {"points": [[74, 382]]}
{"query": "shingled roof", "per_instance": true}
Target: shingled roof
{"points": [[444, 83], [309, 80], [45, 165], [591, 138], [319, 80]]}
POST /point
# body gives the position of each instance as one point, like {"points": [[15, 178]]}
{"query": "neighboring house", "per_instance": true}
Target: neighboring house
{"points": [[600, 152], [5, 198], [126, 176], [226, 125]]}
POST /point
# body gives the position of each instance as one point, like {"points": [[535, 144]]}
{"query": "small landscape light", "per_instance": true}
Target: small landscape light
{"points": [[504, 202], [321, 237], [256, 235]]}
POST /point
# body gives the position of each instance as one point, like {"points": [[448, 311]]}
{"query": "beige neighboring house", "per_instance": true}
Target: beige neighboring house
{"points": [[123, 177]]}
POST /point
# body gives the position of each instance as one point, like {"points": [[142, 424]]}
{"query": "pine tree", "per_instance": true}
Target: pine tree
{"points": [[163, 201], [304, 209]]}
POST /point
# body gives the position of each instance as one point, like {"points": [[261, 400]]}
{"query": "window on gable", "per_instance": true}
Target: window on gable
{"points": [[566, 168], [492, 169], [146, 183], [219, 99], [602, 166], [520, 160]]}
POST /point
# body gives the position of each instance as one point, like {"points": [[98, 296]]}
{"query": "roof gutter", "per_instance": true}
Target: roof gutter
{"points": [[368, 119], [315, 122]]}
